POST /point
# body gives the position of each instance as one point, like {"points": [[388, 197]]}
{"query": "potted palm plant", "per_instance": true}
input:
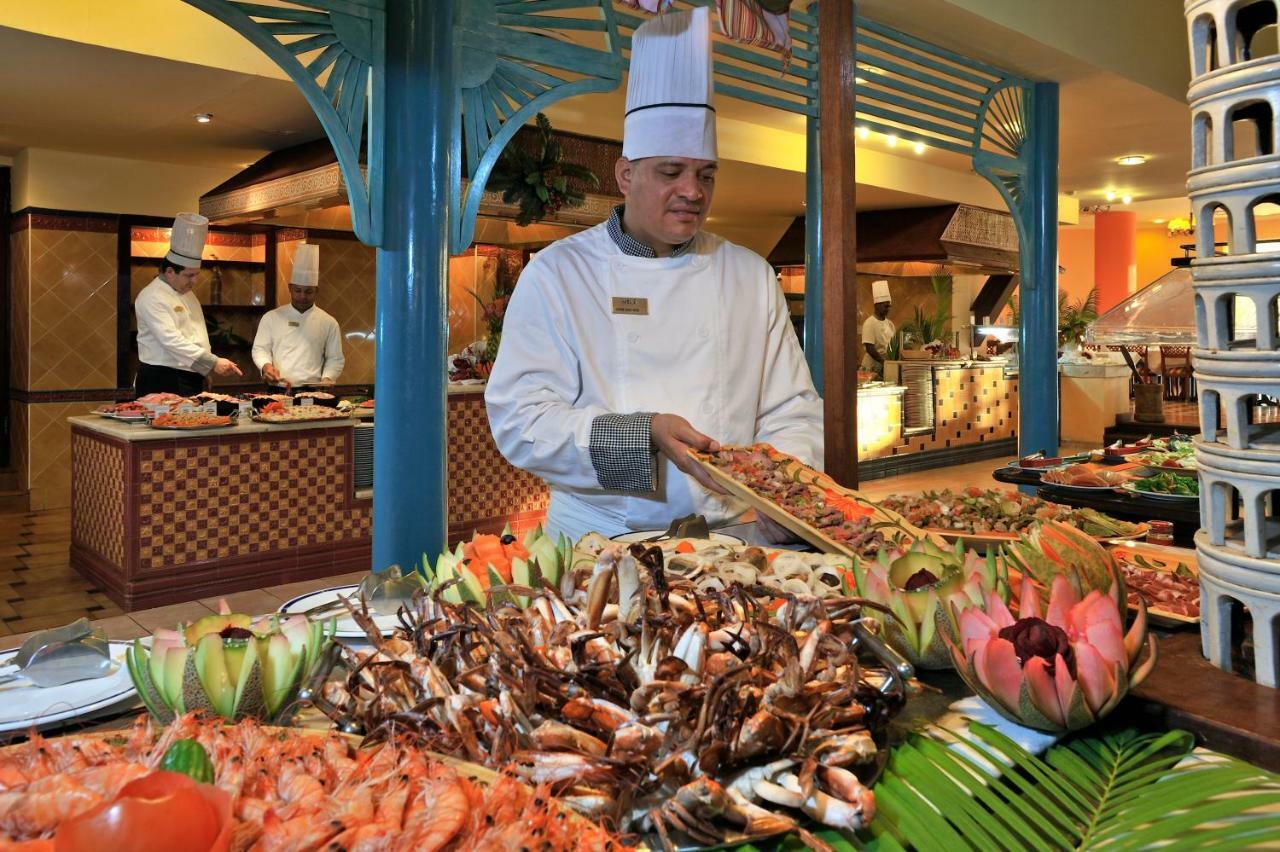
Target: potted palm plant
{"points": [[1074, 319], [924, 328]]}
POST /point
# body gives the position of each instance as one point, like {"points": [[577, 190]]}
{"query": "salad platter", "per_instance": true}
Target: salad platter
{"points": [[1166, 486]]}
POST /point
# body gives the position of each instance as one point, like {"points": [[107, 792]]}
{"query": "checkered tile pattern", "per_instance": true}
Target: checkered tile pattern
{"points": [[98, 513], [482, 484], [235, 498], [971, 406]]}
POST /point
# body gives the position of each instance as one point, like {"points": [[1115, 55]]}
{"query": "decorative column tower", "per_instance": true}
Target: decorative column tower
{"points": [[1234, 101]]}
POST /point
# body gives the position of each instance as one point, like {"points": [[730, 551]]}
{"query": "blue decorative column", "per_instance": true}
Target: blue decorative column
{"points": [[409, 496], [813, 253], [1038, 336]]}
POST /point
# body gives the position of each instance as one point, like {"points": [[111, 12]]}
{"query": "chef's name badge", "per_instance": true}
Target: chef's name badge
{"points": [[177, 309], [293, 324], [631, 305]]}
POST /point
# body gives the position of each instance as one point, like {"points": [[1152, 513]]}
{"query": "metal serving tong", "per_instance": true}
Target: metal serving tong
{"points": [[61, 655], [690, 526], [384, 592]]}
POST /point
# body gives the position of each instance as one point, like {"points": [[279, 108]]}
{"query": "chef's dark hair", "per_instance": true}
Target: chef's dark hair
{"points": [[166, 263]]}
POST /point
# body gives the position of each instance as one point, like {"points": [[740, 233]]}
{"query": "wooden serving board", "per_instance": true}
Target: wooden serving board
{"points": [[894, 526]]}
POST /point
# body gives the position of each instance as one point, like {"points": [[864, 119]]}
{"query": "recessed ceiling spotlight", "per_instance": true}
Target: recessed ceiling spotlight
{"points": [[1131, 160], [919, 147], [1111, 196], [863, 132], [1125, 199], [204, 117], [892, 140]]}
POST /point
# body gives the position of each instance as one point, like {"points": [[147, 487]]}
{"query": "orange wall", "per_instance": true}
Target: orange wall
{"points": [[1075, 255]]}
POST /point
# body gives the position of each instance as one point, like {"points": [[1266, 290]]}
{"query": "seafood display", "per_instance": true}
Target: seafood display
{"points": [[804, 500], [712, 566], [981, 511], [276, 412], [160, 399], [247, 787], [189, 420], [733, 713]]}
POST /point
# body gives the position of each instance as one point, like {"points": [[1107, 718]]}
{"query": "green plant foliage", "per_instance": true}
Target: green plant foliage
{"points": [[1120, 791], [541, 183], [1074, 317], [926, 328]]}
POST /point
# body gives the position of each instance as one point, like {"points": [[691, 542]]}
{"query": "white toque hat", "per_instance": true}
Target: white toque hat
{"points": [[306, 266], [880, 291], [670, 109], [186, 241]]}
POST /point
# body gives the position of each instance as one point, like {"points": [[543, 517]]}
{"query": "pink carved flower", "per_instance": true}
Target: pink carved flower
{"points": [[1060, 670]]}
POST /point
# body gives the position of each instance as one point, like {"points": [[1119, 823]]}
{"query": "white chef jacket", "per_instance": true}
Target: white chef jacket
{"points": [[879, 333], [171, 330], [715, 346], [304, 347]]}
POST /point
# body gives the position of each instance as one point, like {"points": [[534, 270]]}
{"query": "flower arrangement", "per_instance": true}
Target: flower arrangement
{"points": [[542, 184]]}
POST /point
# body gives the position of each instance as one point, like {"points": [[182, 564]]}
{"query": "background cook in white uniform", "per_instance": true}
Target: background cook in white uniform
{"points": [[878, 330], [300, 343]]}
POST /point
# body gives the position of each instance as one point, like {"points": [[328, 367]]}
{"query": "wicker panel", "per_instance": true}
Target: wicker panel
{"points": [[98, 510], [482, 484], [240, 498]]}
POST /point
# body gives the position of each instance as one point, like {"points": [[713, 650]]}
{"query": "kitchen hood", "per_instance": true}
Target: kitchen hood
{"points": [[949, 239]]}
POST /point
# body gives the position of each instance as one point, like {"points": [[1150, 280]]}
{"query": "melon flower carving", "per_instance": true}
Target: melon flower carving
{"points": [[1058, 670]]}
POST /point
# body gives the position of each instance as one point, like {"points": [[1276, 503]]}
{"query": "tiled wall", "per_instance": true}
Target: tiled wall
{"points": [[971, 406], [63, 352], [348, 279]]}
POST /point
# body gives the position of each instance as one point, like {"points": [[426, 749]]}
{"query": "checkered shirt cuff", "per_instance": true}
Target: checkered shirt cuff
{"points": [[622, 452]]}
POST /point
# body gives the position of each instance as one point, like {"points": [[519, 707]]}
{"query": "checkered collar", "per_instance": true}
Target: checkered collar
{"points": [[631, 246]]}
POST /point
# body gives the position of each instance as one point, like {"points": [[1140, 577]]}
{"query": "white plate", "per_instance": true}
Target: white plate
{"points": [[1129, 486], [26, 706], [347, 627], [641, 535]]}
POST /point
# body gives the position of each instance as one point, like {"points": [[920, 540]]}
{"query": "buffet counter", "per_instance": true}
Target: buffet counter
{"points": [[952, 412], [879, 419], [161, 516]]}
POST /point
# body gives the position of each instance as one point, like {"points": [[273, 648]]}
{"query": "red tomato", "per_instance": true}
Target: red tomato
{"points": [[160, 812]]}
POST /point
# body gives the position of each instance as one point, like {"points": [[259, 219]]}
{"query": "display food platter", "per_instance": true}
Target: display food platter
{"points": [[1131, 488], [1162, 559], [347, 628], [659, 535], [24, 706], [299, 414], [193, 428], [892, 525]]}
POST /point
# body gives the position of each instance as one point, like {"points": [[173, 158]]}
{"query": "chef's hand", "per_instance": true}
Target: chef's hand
{"points": [[674, 437], [270, 373], [771, 531], [226, 367]]}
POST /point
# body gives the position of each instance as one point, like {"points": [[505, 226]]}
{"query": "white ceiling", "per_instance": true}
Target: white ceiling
{"points": [[1122, 68]]}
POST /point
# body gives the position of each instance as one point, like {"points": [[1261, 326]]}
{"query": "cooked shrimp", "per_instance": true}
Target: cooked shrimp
{"points": [[437, 813]]}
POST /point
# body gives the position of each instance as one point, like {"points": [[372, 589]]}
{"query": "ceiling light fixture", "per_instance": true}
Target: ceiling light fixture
{"points": [[863, 132], [1111, 196], [919, 147], [1125, 199], [1131, 160], [204, 117], [892, 140], [1157, 221]]}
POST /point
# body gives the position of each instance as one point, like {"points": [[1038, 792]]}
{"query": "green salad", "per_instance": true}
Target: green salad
{"points": [[1169, 483]]}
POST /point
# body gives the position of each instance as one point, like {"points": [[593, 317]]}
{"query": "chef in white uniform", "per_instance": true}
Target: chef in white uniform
{"points": [[173, 344], [298, 343], [645, 336], [878, 330]]}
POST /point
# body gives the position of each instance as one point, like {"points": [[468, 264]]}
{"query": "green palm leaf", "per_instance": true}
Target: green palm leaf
{"points": [[1122, 791]]}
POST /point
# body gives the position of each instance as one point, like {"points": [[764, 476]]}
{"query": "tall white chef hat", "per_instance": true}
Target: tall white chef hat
{"points": [[880, 292], [670, 108], [306, 266], [186, 241]]}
